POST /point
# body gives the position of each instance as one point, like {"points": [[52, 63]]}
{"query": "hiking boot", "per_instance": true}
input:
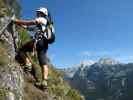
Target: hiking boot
{"points": [[44, 87], [44, 84]]}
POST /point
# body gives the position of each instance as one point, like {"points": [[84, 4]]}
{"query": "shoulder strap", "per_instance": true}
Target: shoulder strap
{"points": [[49, 19]]}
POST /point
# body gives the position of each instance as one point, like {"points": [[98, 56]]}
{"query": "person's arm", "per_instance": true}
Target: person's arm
{"points": [[25, 22]]}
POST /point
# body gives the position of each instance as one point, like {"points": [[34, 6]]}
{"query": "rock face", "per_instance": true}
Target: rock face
{"points": [[104, 80], [16, 83], [71, 71], [11, 83], [9, 35], [11, 75]]}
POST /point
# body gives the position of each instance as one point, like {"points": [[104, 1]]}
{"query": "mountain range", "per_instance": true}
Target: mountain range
{"points": [[106, 79]]}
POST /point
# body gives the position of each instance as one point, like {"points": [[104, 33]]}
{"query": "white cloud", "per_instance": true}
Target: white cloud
{"points": [[86, 53], [125, 57], [94, 53]]}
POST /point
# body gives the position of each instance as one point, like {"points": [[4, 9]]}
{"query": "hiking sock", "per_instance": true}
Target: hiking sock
{"points": [[28, 67]]}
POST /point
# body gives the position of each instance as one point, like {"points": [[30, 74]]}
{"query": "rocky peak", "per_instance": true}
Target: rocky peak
{"points": [[108, 61], [70, 72], [86, 63], [107, 79]]}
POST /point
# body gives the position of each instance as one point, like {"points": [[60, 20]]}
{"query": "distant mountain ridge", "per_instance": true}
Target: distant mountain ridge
{"points": [[106, 79], [71, 71], [108, 61]]}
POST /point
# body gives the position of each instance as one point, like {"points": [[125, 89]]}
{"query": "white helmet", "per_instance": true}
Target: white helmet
{"points": [[43, 10]]}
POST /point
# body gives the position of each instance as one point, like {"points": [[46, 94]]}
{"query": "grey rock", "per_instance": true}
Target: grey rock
{"points": [[11, 75], [104, 80], [9, 35]]}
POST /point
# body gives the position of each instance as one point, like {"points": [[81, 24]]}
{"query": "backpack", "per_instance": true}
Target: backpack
{"points": [[50, 31]]}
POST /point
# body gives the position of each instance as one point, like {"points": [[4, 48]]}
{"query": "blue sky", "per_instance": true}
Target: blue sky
{"points": [[87, 29]]}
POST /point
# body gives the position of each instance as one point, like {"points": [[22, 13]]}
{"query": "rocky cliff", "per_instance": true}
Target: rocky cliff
{"points": [[15, 83], [11, 75]]}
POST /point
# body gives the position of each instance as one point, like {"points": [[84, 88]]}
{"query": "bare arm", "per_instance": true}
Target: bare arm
{"points": [[25, 22]]}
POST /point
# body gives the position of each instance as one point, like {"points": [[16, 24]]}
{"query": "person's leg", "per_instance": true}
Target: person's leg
{"points": [[28, 47], [45, 72], [28, 62], [42, 47], [44, 75], [43, 60]]}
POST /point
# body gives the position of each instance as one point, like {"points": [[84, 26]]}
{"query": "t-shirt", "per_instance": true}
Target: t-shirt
{"points": [[42, 21], [42, 45]]}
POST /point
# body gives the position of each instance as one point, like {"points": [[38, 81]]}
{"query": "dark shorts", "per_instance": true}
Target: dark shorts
{"points": [[42, 57], [41, 48]]}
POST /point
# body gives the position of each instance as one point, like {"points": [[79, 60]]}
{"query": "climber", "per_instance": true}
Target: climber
{"points": [[39, 43]]}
